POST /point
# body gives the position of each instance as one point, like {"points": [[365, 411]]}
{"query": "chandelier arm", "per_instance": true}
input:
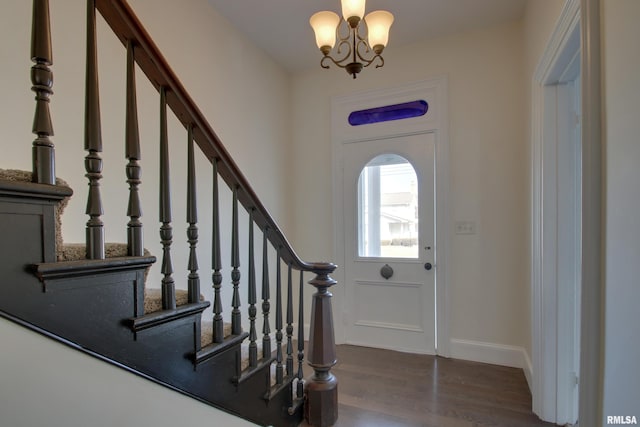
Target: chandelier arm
{"points": [[361, 54], [381, 64], [347, 43], [372, 60], [322, 61], [338, 62]]}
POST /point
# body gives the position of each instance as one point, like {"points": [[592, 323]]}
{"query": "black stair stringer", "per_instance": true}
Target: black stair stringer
{"points": [[97, 306], [252, 399]]}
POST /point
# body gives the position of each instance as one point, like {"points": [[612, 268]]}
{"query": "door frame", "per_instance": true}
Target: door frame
{"points": [[548, 322], [592, 302], [578, 29], [435, 90]]}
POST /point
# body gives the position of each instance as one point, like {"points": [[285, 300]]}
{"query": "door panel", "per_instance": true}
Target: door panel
{"points": [[390, 294]]}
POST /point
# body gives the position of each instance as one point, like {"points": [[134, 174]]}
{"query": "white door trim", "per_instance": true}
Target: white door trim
{"points": [[567, 41], [592, 304], [437, 121], [564, 43]]}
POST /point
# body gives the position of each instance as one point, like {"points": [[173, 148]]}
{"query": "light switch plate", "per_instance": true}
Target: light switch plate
{"points": [[465, 227]]}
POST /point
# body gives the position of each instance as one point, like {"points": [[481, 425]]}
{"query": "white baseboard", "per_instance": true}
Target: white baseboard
{"points": [[496, 354], [528, 370]]}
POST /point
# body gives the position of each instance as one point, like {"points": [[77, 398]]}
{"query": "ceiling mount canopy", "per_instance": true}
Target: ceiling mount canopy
{"points": [[362, 43]]}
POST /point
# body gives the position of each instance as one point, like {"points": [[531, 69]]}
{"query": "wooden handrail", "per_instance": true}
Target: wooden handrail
{"points": [[126, 26]]}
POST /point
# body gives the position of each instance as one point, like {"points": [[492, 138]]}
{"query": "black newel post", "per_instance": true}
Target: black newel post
{"points": [[322, 389]]}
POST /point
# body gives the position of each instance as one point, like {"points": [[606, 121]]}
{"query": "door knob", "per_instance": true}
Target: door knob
{"points": [[428, 266], [386, 271]]}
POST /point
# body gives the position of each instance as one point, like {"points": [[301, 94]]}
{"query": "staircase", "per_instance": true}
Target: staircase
{"points": [[246, 358]]}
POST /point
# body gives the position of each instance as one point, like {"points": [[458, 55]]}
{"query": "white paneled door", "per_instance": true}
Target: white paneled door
{"points": [[389, 242]]}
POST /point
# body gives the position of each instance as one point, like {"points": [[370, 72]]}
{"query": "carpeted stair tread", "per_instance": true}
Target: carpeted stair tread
{"points": [[78, 251], [244, 355], [206, 338], [153, 299]]}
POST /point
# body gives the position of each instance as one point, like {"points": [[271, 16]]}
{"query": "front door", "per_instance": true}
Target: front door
{"points": [[389, 241]]}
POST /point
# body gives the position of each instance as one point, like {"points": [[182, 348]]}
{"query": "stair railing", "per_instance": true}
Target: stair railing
{"points": [[321, 389]]}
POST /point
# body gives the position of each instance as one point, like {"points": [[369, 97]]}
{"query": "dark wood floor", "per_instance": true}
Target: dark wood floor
{"points": [[382, 388]]}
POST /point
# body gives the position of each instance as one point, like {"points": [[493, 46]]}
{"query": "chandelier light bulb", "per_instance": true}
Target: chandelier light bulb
{"points": [[353, 11], [378, 25], [324, 25]]}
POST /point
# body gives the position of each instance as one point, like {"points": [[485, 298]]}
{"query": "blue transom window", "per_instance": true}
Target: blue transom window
{"points": [[388, 113]]}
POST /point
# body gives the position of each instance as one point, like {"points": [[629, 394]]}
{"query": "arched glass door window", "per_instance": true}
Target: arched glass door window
{"points": [[388, 208]]}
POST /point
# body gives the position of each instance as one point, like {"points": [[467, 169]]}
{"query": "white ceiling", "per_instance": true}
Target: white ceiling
{"points": [[281, 27]]}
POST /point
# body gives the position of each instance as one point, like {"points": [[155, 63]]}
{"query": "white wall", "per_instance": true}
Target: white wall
{"points": [[540, 19], [621, 61], [45, 383], [488, 284]]}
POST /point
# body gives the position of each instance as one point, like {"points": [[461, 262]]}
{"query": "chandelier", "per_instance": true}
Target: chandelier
{"points": [[361, 44]]}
